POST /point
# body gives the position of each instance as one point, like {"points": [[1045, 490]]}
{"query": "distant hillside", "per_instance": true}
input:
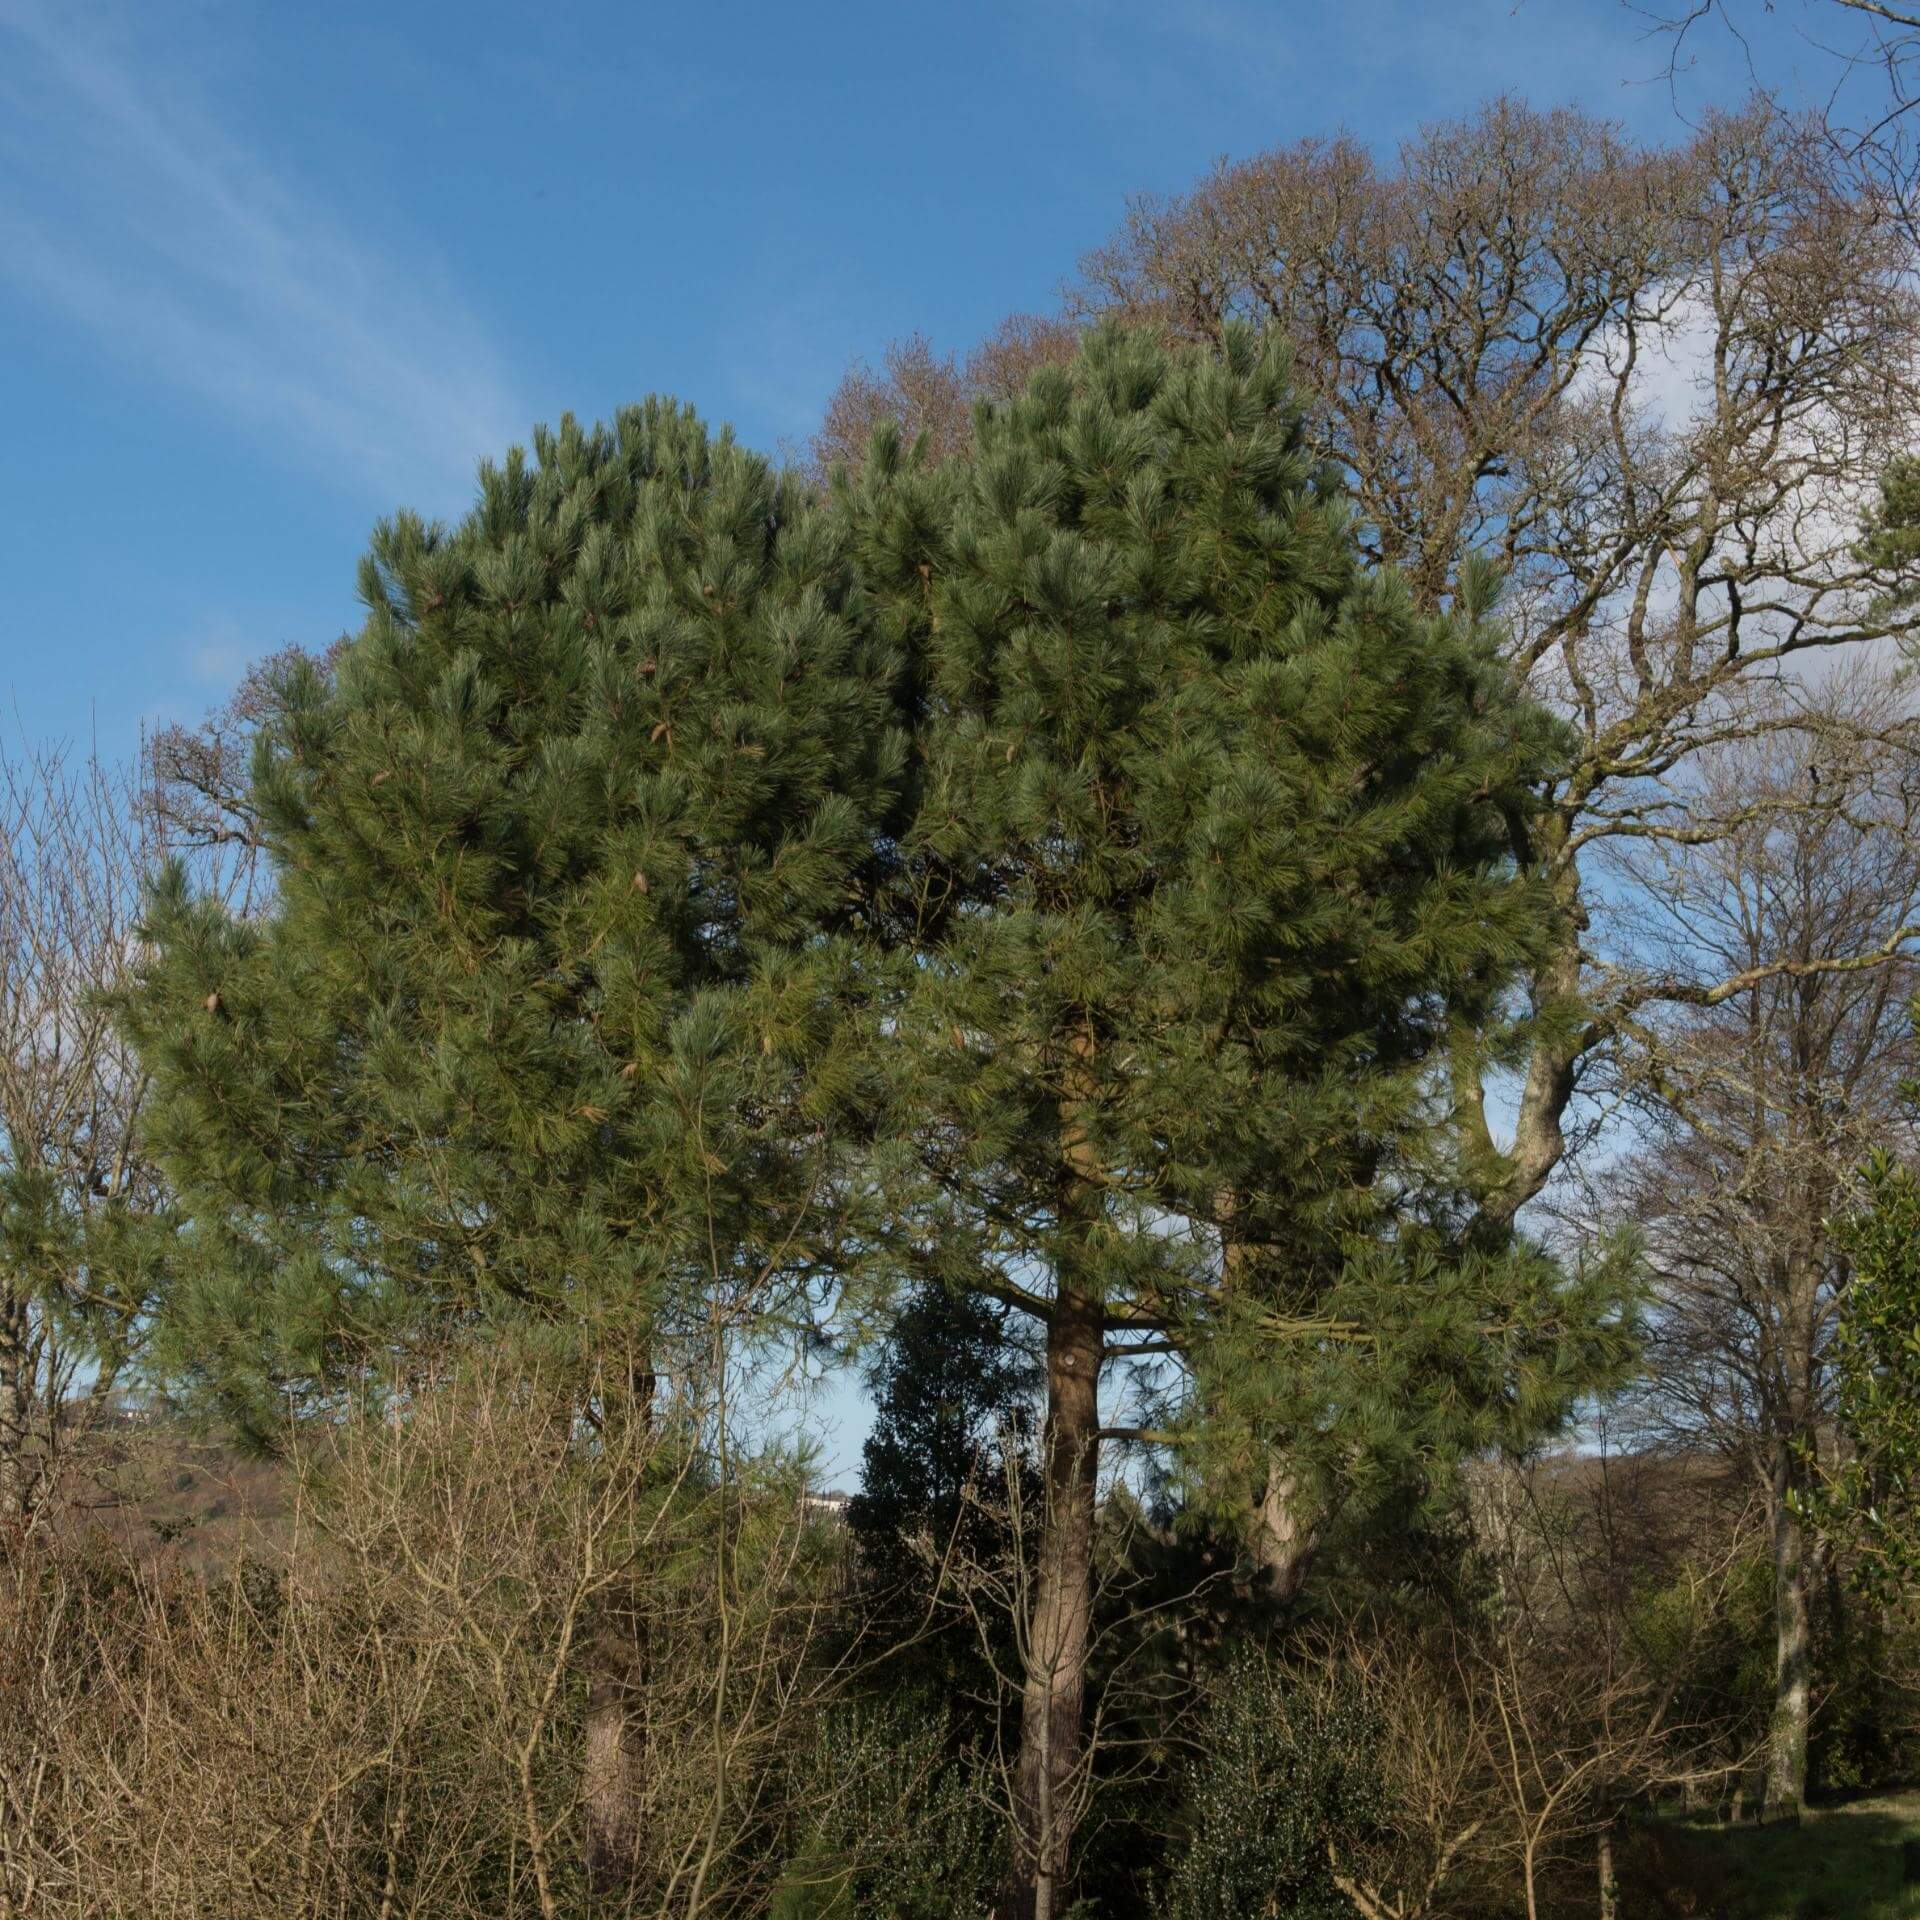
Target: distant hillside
{"points": [[155, 1488]]}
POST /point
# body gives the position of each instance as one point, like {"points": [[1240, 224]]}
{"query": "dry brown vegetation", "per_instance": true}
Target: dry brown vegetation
{"points": [[381, 1705]]}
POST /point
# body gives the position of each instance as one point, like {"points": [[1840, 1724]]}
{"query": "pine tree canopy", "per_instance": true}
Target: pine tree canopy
{"points": [[565, 848], [1214, 845], [1087, 804]]}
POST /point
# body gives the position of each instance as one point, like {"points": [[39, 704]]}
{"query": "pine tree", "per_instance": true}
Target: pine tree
{"points": [[1088, 792], [1210, 830], [541, 1029]]}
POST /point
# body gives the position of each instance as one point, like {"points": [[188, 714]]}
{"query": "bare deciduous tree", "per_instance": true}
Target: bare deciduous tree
{"points": [[1862, 55], [1651, 385], [73, 848], [197, 776], [79, 839], [382, 1714], [1772, 1064], [1440, 1823], [925, 392], [1575, 1714]]}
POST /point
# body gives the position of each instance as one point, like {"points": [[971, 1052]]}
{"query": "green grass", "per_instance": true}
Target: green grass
{"points": [[1839, 1863]]}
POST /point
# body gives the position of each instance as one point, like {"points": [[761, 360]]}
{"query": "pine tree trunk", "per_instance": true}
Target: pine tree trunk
{"points": [[1282, 1538], [1792, 1660], [1047, 1780], [610, 1782], [1285, 1541]]}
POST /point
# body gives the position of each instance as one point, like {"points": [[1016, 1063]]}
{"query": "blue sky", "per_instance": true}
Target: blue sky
{"points": [[268, 271]]}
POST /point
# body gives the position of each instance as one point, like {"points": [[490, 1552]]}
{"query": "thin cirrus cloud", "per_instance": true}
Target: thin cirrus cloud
{"points": [[129, 213]]}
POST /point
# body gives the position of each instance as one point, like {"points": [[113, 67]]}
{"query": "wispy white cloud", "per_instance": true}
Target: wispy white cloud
{"points": [[131, 213]]}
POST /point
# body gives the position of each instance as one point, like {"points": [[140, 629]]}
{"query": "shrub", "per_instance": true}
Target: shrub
{"points": [[1282, 1775], [907, 1830], [393, 1719]]}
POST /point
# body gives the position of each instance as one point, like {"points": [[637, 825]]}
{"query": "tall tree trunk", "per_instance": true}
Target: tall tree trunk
{"points": [[1047, 1782], [1286, 1534], [611, 1782], [1797, 1279], [16, 1412], [1510, 1179], [1792, 1657]]}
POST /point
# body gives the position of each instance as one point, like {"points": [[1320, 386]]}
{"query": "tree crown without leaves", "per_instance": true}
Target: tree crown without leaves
{"points": [[76, 1184], [1654, 386]]}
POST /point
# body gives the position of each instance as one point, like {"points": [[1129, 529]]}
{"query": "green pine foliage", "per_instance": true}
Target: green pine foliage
{"points": [[1215, 848], [1055, 878], [951, 1397], [1214, 844], [1890, 533], [1396, 1355], [544, 1021]]}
